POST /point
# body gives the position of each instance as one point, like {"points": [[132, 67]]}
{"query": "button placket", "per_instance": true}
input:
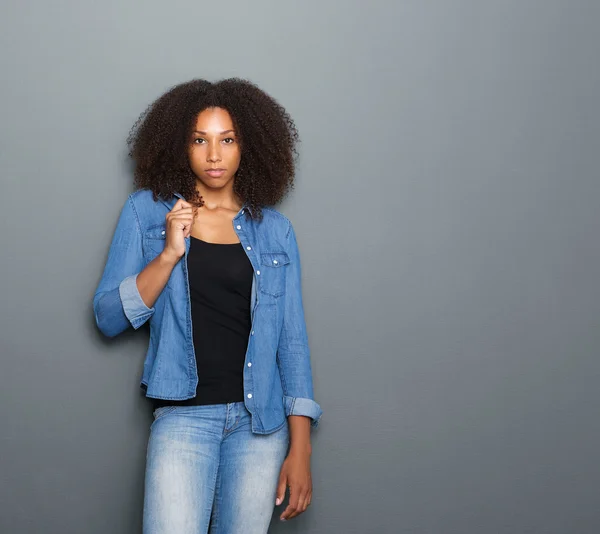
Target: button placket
{"points": [[252, 258]]}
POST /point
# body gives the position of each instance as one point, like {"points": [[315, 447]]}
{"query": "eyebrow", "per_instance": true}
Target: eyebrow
{"points": [[222, 133]]}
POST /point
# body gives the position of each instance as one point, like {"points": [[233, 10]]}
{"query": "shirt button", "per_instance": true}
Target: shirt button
{"points": [[238, 227], [249, 395], [257, 272], [249, 364], [275, 262], [163, 232], [252, 333], [242, 212], [249, 248]]}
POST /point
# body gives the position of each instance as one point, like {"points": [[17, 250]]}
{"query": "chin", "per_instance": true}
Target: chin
{"points": [[215, 183]]}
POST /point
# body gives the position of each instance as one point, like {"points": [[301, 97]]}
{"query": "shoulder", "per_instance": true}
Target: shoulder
{"points": [[142, 198], [148, 211], [277, 221]]}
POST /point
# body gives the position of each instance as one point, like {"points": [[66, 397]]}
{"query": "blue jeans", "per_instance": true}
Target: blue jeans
{"points": [[205, 469]]}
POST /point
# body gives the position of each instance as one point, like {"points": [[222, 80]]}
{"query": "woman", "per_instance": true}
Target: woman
{"points": [[199, 254]]}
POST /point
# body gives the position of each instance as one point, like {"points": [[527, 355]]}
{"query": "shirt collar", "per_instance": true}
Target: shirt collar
{"points": [[172, 202]]}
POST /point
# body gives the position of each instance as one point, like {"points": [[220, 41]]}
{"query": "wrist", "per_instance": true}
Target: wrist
{"points": [[167, 257], [304, 449]]}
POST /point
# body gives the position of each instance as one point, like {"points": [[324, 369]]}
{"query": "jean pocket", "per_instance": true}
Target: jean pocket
{"points": [[155, 239], [162, 411], [273, 272]]}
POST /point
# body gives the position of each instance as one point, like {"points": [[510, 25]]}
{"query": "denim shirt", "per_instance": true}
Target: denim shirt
{"points": [[277, 376]]}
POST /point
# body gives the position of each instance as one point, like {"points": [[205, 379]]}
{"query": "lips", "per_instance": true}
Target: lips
{"points": [[215, 173]]}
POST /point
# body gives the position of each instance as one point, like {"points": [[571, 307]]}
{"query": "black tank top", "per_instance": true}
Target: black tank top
{"points": [[220, 277]]}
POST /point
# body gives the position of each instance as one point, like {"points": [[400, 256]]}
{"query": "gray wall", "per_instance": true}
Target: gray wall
{"points": [[446, 210]]}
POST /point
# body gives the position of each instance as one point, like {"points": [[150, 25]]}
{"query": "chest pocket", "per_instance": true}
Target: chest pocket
{"points": [[154, 241], [272, 272]]}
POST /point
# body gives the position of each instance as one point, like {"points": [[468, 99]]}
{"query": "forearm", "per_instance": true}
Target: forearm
{"points": [[299, 426], [154, 277], [296, 379]]}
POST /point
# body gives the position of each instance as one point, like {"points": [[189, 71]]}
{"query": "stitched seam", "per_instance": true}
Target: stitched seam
{"points": [[289, 228], [216, 485], [137, 219]]}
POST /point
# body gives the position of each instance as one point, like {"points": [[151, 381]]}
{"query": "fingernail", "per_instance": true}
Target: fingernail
{"points": [[283, 519], [278, 502]]}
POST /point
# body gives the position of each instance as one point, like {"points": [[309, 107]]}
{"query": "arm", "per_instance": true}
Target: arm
{"points": [[293, 356], [126, 293]]}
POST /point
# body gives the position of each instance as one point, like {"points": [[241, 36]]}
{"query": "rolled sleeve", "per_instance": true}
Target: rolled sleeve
{"points": [[303, 406], [134, 307], [293, 354], [117, 302]]}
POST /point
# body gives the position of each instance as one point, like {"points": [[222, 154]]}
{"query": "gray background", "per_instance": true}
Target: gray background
{"points": [[446, 209]]}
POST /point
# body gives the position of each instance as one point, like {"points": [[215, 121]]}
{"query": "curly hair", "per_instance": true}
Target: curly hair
{"points": [[268, 137]]}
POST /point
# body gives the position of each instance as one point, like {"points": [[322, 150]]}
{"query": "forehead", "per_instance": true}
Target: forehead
{"points": [[217, 119]]}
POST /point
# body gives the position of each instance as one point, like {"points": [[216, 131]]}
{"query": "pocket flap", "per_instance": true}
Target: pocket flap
{"points": [[156, 232], [274, 259]]}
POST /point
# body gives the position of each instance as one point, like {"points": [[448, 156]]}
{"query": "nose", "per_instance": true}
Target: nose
{"points": [[213, 155]]}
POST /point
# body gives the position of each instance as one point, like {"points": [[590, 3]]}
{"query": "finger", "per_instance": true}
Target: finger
{"points": [[280, 490], [184, 218], [309, 493], [175, 217], [181, 224], [187, 228], [292, 505], [301, 505], [189, 211], [181, 204]]}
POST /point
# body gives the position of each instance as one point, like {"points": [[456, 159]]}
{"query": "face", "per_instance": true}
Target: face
{"points": [[214, 151]]}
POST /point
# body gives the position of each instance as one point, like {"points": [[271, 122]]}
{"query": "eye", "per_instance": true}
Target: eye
{"points": [[229, 140], [198, 139]]}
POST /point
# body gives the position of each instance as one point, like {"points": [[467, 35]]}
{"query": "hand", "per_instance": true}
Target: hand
{"points": [[178, 226], [295, 474]]}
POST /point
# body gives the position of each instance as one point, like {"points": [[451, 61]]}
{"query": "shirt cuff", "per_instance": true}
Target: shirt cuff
{"points": [[303, 406], [133, 306]]}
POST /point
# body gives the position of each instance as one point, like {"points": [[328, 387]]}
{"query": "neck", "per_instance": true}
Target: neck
{"points": [[220, 198]]}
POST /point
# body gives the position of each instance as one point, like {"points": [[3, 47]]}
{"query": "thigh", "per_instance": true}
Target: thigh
{"points": [[247, 479], [181, 469]]}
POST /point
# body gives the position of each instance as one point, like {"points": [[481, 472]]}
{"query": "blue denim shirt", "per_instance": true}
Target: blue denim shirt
{"points": [[277, 374]]}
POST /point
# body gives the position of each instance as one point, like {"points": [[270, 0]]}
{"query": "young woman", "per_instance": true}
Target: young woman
{"points": [[200, 255]]}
